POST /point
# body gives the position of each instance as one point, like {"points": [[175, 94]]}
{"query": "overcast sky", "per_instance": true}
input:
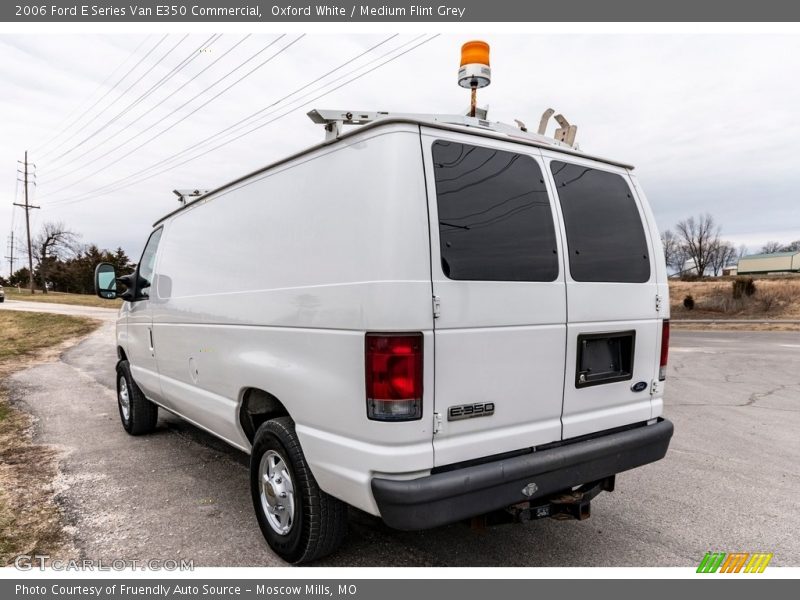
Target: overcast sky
{"points": [[710, 121]]}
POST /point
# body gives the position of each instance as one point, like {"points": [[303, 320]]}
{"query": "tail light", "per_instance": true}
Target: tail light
{"points": [[394, 376], [662, 371]]}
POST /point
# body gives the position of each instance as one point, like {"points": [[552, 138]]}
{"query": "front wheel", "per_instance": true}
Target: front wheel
{"points": [[300, 522], [137, 413]]}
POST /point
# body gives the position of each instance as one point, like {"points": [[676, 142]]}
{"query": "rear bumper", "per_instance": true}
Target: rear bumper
{"points": [[466, 492]]}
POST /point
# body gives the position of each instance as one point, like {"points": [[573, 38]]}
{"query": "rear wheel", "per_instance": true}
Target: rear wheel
{"points": [[137, 413], [300, 522]]}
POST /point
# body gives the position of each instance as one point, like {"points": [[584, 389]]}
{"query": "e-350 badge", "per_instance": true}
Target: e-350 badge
{"points": [[468, 411]]}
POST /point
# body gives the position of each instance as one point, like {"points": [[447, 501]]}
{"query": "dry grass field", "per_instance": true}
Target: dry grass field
{"points": [[29, 518], [61, 298], [776, 298]]}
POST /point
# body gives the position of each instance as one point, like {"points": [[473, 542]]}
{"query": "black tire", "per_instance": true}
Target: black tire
{"points": [[142, 414], [319, 522]]}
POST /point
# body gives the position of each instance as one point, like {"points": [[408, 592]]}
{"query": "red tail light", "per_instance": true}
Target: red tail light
{"points": [[394, 376], [662, 371]]}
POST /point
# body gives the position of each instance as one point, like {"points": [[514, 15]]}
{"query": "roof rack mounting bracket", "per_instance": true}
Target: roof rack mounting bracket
{"points": [[335, 120], [565, 133]]}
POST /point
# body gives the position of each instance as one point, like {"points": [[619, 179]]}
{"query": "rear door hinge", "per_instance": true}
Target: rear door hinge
{"points": [[654, 387], [437, 307], [658, 303], [437, 422]]}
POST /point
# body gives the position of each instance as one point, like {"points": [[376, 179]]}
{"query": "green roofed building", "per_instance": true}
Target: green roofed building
{"points": [[775, 262]]}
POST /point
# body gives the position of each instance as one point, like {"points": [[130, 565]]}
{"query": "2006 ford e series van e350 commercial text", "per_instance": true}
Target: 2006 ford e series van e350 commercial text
{"points": [[429, 318]]}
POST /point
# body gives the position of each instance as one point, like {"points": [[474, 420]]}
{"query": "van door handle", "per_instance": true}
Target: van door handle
{"points": [[150, 331]]}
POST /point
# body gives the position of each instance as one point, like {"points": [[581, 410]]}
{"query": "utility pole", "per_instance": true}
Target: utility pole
{"points": [[28, 207], [10, 257]]}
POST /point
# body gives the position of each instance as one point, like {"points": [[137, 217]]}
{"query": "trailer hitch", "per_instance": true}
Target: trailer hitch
{"points": [[575, 504]]}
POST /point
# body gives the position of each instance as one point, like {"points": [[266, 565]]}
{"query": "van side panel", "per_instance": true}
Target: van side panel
{"points": [[657, 395], [273, 283]]}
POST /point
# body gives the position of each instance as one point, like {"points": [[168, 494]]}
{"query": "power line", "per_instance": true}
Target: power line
{"points": [[113, 87], [28, 207], [10, 257], [102, 127], [162, 119], [276, 102], [163, 131], [99, 87], [115, 185], [219, 58], [175, 70]]}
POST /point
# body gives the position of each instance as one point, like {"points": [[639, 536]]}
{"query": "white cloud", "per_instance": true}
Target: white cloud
{"points": [[708, 120]]}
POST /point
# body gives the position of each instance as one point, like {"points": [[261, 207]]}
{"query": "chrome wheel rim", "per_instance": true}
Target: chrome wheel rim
{"points": [[277, 492], [124, 399]]}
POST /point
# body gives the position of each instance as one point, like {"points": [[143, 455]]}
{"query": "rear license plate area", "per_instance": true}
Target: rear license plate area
{"points": [[604, 358]]}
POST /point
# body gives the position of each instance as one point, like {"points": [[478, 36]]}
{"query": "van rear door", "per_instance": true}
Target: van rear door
{"points": [[613, 326], [499, 297]]}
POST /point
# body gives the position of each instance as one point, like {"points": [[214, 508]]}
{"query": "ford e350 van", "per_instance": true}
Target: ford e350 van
{"points": [[428, 318]]}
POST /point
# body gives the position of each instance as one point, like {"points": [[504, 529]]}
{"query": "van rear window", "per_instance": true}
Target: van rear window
{"points": [[495, 222], [605, 236]]}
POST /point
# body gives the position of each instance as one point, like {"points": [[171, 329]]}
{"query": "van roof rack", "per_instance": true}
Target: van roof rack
{"points": [[335, 120]]}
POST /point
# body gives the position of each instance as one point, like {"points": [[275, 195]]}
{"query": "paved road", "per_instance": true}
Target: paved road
{"points": [[102, 314], [729, 482]]}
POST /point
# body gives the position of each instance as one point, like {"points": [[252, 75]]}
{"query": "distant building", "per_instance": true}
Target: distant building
{"points": [[775, 262], [689, 268], [730, 270]]}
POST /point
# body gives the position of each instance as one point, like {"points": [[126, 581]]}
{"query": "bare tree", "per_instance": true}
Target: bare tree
{"points": [[53, 241], [723, 254], [743, 251], [699, 236], [674, 252], [771, 247], [792, 246]]}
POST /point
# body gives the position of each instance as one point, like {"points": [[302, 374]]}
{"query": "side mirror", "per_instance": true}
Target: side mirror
{"points": [[133, 283], [105, 281]]}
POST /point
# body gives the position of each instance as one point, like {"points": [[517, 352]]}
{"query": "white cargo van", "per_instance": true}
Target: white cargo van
{"points": [[427, 318]]}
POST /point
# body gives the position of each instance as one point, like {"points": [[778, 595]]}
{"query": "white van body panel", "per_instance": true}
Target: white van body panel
{"points": [[272, 283]]}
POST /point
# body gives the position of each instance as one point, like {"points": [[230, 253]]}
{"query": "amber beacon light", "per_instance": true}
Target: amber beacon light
{"points": [[474, 71]]}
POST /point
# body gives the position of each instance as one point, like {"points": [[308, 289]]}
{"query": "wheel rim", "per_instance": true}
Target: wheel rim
{"points": [[277, 492], [124, 399]]}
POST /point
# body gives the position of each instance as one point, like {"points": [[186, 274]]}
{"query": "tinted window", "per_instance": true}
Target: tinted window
{"points": [[495, 222], [148, 261], [605, 237]]}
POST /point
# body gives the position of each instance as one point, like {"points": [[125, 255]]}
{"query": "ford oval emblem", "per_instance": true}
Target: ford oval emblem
{"points": [[639, 386]]}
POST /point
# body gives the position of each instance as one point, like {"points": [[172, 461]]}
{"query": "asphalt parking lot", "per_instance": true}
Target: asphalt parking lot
{"points": [[730, 480]]}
